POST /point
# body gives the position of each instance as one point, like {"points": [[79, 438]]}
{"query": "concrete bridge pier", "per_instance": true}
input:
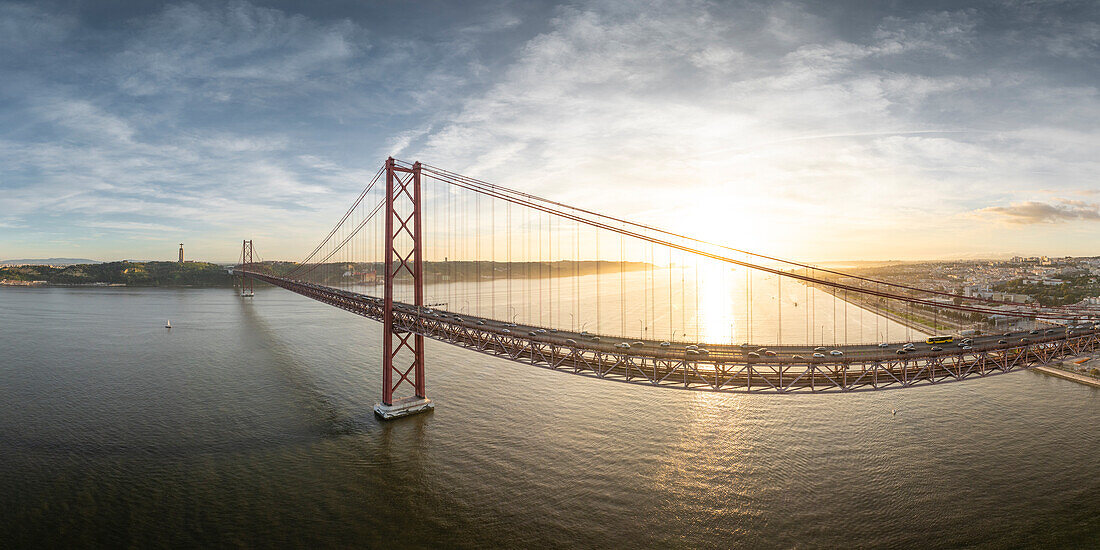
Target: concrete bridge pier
{"points": [[406, 406]]}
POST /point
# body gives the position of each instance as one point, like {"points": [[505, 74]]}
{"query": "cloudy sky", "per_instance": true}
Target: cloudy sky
{"points": [[814, 131]]}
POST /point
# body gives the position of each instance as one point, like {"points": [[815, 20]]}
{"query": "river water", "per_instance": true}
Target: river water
{"points": [[250, 424]]}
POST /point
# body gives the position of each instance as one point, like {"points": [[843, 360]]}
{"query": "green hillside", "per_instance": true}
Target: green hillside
{"points": [[127, 273]]}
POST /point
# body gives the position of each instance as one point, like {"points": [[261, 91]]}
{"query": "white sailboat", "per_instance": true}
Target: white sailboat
{"points": [[168, 324]]}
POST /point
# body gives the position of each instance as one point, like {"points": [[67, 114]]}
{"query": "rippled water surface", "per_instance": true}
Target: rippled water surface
{"points": [[250, 424]]}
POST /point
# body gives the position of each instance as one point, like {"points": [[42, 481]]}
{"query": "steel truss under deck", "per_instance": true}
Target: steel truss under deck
{"points": [[675, 370]]}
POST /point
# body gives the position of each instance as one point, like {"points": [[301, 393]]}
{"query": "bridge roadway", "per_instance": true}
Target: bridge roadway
{"points": [[721, 367]]}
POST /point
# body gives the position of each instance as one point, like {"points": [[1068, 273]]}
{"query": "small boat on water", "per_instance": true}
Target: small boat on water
{"points": [[168, 324]]}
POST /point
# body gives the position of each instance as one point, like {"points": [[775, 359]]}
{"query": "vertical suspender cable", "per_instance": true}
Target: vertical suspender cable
{"points": [[683, 303], [477, 250], [508, 231], [540, 270], [697, 339], [493, 259], [671, 324], [622, 291], [576, 274]]}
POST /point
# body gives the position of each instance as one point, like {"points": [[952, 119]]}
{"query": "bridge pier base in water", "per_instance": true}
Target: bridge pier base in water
{"points": [[403, 407]]}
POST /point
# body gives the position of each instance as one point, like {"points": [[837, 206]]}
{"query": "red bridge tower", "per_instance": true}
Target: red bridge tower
{"points": [[246, 265], [403, 242]]}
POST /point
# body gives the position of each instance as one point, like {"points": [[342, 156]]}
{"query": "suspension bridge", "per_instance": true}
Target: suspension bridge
{"points": [[431, 253]]}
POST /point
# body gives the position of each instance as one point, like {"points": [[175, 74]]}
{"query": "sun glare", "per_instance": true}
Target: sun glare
{"points": [[716, 320], [724, 222]]}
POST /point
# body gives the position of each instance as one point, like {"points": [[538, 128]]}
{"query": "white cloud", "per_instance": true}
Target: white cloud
{"points": [[633, 102], [230, 47], [1034, 212], [800, 133], [80, 118], [945, 33], [132, 226], [401, 141]]}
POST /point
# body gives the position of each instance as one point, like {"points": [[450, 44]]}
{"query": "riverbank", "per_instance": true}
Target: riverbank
{"points": [[125, 273], [903, 320], [43, 284], [1064, 374], [12, 282]]}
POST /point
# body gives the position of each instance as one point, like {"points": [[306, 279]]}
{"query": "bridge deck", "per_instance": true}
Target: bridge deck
{"points": [[717, 367]]}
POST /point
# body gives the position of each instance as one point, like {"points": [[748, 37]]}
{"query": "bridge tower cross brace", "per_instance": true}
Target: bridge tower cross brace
{"points": [[403, 241]]}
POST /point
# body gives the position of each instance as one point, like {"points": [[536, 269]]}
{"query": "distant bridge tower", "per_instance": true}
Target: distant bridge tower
{"points": [[181, 253], [246, 265], [402, 229]]}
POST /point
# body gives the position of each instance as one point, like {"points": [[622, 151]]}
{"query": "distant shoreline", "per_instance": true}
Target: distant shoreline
{"points": [[105, 285], [114, 274]]}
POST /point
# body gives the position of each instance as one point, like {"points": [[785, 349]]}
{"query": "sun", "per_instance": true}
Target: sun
{"points": [[725, 223]]}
